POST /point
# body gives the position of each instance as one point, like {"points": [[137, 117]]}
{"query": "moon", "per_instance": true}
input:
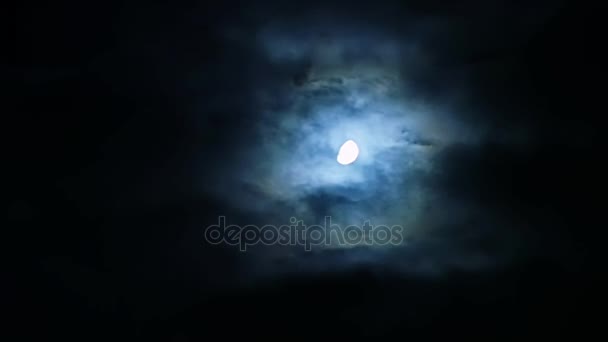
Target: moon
{"points": [[348, 153]]}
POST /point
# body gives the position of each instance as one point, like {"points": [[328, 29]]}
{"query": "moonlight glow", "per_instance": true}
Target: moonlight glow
{"points": [[348, 153]]}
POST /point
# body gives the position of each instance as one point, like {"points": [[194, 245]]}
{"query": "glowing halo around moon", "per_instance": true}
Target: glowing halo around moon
{"points": [[348, 153]]}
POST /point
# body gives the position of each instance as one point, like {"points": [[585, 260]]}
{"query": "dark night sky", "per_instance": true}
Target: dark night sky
{"points": [[136, 125]]}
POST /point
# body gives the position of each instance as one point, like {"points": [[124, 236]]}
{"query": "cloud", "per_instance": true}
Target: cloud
{"points": [[315, 85]]}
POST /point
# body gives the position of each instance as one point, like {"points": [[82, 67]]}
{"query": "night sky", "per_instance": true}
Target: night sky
{"points": [[131, 127]]}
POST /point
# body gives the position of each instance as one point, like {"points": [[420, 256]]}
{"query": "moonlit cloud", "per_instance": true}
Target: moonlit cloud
{"points": [[360, 84]]}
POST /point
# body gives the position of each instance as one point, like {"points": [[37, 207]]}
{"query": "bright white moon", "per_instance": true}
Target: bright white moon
{"points": [[348, 153]]}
